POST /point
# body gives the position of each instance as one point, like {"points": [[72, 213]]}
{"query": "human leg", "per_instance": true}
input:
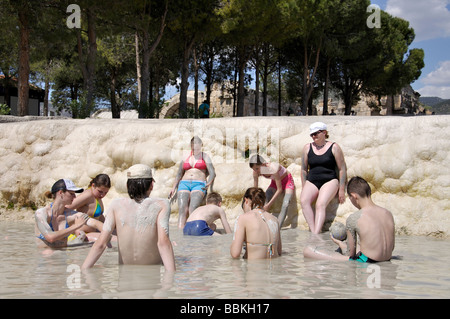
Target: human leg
{"points": [[183, 205], [269, 193], [326, 194], [285, 206], [196, 200], [307, 197]]}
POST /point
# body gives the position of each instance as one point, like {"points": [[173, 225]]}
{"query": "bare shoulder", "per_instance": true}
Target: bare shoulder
{"points": [[273, 168], [206, 157], [42, 211], [336, 148], [271, 217]]}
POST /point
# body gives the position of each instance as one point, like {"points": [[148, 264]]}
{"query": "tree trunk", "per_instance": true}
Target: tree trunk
{"points": [[145, 76], [279, 85], [325, 91], [241, 89], [265, 94], [88, 65], [196, 67], [24, 64], [138, 65], [144, 72], [257, 64], [115, 109], [184, 86]]}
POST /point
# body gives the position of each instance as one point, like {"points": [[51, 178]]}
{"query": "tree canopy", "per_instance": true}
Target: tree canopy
{"points": [[122, 54]]}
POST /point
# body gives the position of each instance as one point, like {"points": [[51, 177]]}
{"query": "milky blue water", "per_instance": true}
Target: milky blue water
{"points": [[419, 269]]}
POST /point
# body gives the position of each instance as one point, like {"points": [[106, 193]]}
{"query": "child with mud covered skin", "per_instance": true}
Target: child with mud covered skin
{"points": [[142, 225], [373, 224]]}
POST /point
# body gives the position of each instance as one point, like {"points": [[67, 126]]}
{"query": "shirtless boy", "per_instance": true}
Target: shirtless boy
{"points": [[373, 224], [201, 221], [142, 225]]}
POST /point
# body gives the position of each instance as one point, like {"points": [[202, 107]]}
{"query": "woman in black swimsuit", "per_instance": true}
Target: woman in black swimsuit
{"points": [[320, 182]]}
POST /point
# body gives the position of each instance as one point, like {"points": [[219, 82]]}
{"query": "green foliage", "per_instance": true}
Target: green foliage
{"points": [[5, 109], [312, 38]]}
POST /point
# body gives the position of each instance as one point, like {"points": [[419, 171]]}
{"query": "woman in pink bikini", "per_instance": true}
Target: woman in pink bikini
{"points": [[195, 174], [282, 181]]}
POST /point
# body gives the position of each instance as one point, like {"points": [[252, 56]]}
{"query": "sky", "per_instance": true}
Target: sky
{"points": [[430, 20]]}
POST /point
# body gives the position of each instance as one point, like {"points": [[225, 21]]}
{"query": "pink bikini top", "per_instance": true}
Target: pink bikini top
{"points": [[200, 164], [282, 170]]}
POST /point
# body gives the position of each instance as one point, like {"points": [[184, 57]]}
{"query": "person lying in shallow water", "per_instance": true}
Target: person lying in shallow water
{"points": [[55, 224]]}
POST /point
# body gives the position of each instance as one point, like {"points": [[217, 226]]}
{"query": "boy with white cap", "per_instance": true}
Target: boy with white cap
{"points": [[141, 223]]}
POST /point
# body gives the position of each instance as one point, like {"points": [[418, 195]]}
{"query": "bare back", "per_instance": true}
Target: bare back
{"points": [[138, 226], [209, 213], [260, 234], [376, 230]]}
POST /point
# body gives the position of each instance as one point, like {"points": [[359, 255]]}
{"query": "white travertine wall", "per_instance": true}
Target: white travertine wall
{"points": [[405, 159]]}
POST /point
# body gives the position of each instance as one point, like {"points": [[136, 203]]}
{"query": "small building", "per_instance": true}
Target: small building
{"points": [[9, 96]]}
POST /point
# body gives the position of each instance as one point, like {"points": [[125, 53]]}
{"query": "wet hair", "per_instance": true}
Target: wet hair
{"points": [[256, 195], [101, 180], [213, 198], [256, 160], [138, 187], [359, 186]]}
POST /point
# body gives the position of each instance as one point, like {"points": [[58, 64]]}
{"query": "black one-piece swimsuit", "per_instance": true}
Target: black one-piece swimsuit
{"points": [[322, 168]]}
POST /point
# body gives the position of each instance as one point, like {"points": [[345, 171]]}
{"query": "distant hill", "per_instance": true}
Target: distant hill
{"points": [[438, 105]]}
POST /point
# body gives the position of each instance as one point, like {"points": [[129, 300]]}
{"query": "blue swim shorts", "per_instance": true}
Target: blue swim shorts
{"points": [[197, 228], [192, 186]]}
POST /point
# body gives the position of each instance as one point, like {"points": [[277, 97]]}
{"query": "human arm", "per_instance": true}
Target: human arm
{"points": [[178, 178], [304, 164], [211, 171], [342, 168], [223, 219], [351, 226], [101, 243], [81, 202], [52, 236], [238, 238], [279, 248], [277, 193], [273, 169], [342, 245], [91, 222], [164, 245], [255, 179]]}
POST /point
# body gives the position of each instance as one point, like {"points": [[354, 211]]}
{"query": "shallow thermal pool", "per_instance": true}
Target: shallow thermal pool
{"points": [[206, 270]]}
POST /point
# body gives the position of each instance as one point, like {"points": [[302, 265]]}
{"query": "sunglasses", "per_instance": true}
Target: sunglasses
{"points": [[315, 133]]}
